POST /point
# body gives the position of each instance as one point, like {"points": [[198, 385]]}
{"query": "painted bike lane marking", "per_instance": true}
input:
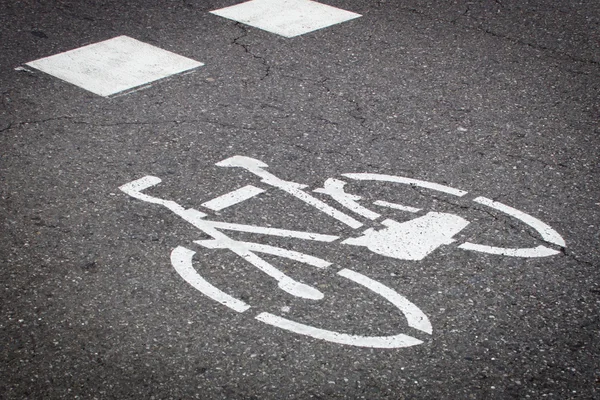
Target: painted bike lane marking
{"points": [[412, 240]]}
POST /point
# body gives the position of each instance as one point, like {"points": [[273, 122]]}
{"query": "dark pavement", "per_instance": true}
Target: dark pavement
{"points": [[496, 98]]}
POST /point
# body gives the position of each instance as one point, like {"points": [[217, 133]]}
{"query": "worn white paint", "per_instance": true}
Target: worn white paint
{"points": [[286, 283], [406, 181], [114, 65], [274, 231], [276, 251], [287, 18], [526, 252], [396, 206], [414, 316], [411, 240], [135, 188], [547, 233], [181, 258], [381, 342], [335, 189], [232, 198], [246, 250], [196, 218], [295, 189]]}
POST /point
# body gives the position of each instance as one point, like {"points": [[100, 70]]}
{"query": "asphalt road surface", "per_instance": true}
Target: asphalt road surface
{"points": [[451, 250]]}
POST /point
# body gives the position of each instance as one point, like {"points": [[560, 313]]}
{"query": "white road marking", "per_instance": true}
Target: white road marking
{"points": [[547, 233], [23, 69], [114, 65], [276, 251], [539, 251], [181, 258], [406, 181], [274, 231], [232, 198], [287, 18], [396, 206], [411, 240], [335, 189], [414, 316], [295, 189], [380, 342], [134, 189], [286, 283], [196, 218]]}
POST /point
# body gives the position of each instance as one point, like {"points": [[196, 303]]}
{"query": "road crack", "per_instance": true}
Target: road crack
{"points": [[237, 41], [557, 54], [569, 254], [505, 220], [7, 128]]}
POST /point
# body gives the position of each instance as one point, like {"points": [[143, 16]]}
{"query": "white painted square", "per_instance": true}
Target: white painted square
{"points": [[114, 65], [287, 18]]}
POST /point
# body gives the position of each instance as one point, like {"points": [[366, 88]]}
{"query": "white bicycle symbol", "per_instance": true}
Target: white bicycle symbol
{"points": [[409, 240]]}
